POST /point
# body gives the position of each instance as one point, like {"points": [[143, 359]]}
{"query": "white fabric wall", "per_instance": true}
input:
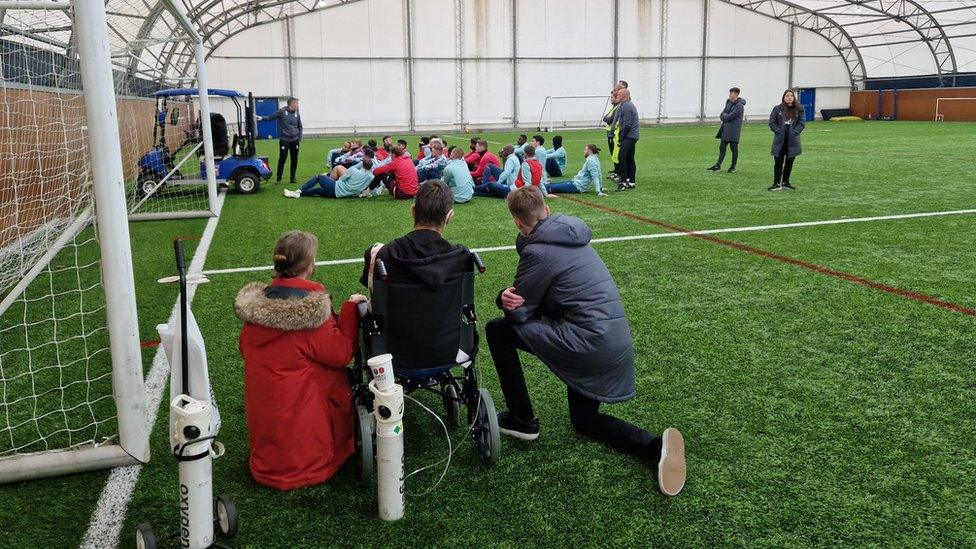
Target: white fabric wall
{"points": [[349, 65]]}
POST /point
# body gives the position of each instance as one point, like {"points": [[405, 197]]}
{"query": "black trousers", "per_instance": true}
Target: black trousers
{"points": [[584, 412], [610, 149], [284, 150], [628, 163], [782, 168], [734, 145]]}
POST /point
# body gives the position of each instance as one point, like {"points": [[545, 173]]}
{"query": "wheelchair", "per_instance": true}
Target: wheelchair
{"points": [[431, 334]]}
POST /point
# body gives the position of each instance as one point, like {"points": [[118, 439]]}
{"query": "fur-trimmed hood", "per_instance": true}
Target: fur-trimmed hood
{"points": [[289, 310]]}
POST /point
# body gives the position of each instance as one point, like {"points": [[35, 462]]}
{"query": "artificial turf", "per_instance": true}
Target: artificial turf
{"points": [[815, 411]]}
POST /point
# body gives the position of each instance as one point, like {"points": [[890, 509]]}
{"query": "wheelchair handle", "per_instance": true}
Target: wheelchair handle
{"points": [[362, 308], [478, 262], [381, 270]]}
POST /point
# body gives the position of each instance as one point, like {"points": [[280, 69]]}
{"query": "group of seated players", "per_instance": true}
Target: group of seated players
{"points": [[365, 171]]}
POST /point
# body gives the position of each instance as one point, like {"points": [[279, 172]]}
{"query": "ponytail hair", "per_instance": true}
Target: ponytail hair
{"points": [[294, 254], [593, 148]]}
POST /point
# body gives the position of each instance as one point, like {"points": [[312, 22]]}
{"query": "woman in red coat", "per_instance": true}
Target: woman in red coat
{"points": [[297, 397]]}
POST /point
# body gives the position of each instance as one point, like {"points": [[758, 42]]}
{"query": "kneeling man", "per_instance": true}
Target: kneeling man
{"points": [[565, 309]]}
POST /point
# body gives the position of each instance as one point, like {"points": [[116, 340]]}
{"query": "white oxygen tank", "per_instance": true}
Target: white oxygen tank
{"points": [[388, 411], [191, 420]]}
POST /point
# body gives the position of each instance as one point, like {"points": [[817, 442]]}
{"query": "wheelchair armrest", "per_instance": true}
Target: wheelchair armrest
{"points": [[478, 262], [362, 308]]}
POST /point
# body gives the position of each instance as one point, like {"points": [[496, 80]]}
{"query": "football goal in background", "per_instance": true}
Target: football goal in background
{"points": [[573, 111], [955, 109], [73, 123]]}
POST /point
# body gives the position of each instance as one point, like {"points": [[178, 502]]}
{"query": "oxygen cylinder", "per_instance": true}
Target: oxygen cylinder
{"points": [[388, 411], [190, 421]]}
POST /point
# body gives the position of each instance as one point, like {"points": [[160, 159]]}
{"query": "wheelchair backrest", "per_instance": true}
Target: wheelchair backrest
{"points": [[424, 328]]}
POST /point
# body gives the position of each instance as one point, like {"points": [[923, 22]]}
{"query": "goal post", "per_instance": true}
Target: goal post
{"points": [[959, 109], [72, 395], [572, 111]]}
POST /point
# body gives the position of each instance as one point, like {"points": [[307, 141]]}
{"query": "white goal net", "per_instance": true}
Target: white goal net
{"points": [[70, 382], [573, 111]]}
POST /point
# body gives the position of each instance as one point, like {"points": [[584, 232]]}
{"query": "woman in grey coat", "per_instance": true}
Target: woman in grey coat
{"points": [[731, 130], [786, 122], [565, 309]]}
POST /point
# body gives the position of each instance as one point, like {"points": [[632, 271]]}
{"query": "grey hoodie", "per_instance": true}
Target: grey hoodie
{"points": [[573, 319], [289, 124], [629, 121]]}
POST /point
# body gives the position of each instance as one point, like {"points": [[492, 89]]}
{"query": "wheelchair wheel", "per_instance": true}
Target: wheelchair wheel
{"points": [[364, 445], [452, 406], [485, 430]]}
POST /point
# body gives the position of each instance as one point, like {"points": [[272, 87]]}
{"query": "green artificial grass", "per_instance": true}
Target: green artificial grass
{"points": [[816, 411]]}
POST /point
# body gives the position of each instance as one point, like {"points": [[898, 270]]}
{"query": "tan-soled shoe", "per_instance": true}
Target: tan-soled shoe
{"points": [[671, 470]]}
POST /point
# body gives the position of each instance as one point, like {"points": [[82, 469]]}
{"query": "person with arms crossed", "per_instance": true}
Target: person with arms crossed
{"points": [[732, 117]]}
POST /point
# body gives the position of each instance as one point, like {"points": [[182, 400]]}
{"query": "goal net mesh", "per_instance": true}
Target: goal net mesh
{"points": [[55, 366]]}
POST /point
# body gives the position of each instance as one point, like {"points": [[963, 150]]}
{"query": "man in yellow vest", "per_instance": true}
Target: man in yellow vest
{"points": [[611, 128]]}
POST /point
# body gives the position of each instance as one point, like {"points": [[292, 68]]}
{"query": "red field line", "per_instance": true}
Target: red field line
{"points": [[907, 294]]}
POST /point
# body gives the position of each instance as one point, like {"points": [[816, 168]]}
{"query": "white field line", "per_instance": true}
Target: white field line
{"points": [[109, 515], [653, 236]]}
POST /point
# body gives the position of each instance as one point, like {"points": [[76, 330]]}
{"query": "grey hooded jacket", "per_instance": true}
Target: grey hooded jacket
{"points": [[573, 319], [732, 117], [289, 124]]}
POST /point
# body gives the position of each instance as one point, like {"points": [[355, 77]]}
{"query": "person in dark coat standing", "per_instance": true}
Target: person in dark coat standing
{"points": [[787, 123], [289, 136], [732, 117], [627, 122], [565, 309]]}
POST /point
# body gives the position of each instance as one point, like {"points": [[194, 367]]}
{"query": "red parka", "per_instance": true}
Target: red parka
{"points": [[297, 397]]}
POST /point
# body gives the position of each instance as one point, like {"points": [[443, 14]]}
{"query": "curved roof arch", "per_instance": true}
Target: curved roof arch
{"points": [[874, 38]]}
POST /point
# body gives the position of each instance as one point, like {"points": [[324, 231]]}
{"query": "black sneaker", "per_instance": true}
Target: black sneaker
{"points": [[715, 168], [514, 427], [277, 182], [293, 182], [775, 187], [731, 170], [786, 185], [621, 186], [630, 184]]}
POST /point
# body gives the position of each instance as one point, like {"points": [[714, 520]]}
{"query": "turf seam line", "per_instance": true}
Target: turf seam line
{"points": [[611, 239], [108, 516], [908, 294]]}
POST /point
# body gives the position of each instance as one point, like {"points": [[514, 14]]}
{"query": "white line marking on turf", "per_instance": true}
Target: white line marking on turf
{"points": [[653, 236], [109, 514]]}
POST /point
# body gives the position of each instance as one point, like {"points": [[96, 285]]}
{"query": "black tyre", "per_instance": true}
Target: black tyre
{"points": [[485, 430], [247, 183], [145, 539], [452, 406], [226, 515], [364, 445]]}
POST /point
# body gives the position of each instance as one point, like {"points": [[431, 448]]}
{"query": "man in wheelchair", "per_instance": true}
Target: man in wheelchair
{"points": [[421, 312]]}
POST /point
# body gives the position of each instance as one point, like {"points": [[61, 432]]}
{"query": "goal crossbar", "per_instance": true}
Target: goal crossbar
{"points": [[548, 104], [939, 117]]}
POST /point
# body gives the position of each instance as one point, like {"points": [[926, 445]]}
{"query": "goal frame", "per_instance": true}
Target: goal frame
{"points": [[130, 445], [939, 117], [550, 100]]}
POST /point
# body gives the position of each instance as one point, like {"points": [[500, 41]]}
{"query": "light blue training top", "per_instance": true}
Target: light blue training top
{"points": [[353, 182], [458, 177], [589, 175], [559, 155]]}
